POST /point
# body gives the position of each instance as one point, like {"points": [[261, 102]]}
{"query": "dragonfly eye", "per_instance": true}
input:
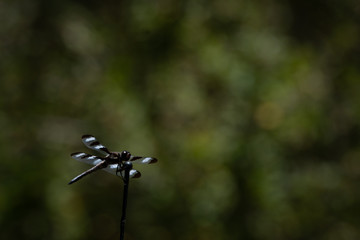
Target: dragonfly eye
{"points": [[126, 155]]}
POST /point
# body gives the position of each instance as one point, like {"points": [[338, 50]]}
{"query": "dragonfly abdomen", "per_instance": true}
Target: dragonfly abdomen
{"points": [[101, 165]]}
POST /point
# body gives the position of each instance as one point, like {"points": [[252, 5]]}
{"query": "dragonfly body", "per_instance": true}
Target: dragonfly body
{"points": [[113, 162]]}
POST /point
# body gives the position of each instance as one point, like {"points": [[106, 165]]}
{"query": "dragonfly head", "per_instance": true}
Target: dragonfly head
{"points": [[125, 155]]}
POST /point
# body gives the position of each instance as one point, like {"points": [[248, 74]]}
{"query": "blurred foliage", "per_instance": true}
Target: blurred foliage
{"points": [[252, 108]]}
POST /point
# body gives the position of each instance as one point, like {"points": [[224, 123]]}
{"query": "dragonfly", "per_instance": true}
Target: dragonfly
{"points": [[112, 162]]}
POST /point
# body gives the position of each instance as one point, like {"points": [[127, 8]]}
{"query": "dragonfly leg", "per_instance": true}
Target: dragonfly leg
{"points": [[118, 171]]}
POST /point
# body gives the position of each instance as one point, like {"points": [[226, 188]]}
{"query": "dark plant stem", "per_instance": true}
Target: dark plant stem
{"points": [[124, 204]]}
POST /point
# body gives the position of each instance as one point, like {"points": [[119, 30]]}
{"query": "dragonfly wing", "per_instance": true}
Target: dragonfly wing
{"points": [[86, 158], [134, 173], [113, 168], [143, 160], [91, 142]]}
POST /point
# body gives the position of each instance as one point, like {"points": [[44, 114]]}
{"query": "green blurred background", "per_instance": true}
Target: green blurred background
{"points": [[251, 107]]}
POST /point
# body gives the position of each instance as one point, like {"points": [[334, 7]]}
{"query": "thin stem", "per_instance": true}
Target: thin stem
{"points": [[124, 204]]}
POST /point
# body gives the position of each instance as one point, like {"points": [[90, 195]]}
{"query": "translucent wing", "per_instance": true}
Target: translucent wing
{"points": [[87, 158], [133, 173], [143, 160], [91, 142], [112, 168]]}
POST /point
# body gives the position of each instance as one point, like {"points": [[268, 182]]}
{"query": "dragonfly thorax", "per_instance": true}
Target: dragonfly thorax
{"points": [[113, 156]]}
